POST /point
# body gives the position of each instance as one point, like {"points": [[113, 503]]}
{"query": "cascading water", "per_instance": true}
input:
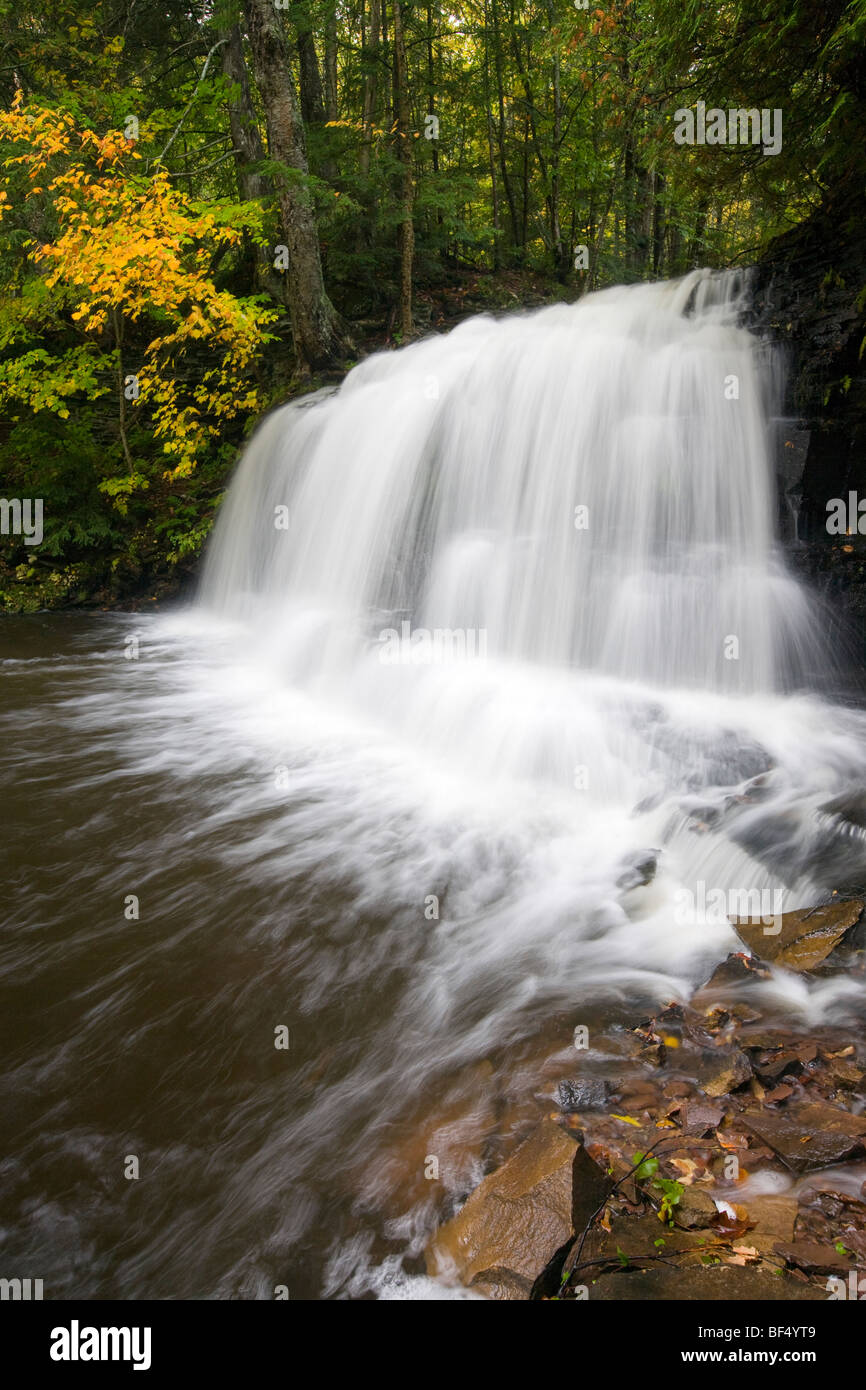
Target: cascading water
{"points": [[496, 687], [549, 672], [588, 487]]}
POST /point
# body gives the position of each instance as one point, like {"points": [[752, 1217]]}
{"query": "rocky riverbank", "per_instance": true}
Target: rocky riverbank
{"points": [[709, 1151]]}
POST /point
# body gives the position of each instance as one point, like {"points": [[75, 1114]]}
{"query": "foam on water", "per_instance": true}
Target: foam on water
{"points": [[534, 560]]}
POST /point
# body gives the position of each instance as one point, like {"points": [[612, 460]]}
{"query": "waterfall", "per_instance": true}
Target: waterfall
{"points": [[525, 576], [586, 487]]}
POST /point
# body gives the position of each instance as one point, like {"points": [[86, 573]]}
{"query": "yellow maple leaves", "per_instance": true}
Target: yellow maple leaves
{"points": [[131, 248]]}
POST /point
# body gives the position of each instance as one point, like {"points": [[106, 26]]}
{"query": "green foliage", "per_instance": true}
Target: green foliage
{"points": [[554, 132]]}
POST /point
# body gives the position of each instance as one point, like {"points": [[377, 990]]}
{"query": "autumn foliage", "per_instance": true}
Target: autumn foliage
{"points": [[117, 247]]}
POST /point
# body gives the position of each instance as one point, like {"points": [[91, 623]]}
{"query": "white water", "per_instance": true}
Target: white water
{"points": [[598, 682]]}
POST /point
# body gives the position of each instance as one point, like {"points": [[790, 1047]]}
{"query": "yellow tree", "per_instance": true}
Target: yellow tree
{"points": [[122, 255]]}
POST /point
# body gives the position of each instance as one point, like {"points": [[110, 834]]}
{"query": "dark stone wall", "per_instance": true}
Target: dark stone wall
{"points": [[809, 301], [809, 295]]}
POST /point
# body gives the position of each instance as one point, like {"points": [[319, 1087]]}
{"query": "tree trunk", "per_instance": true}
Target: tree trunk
{"points": [[312, 96], [253, 186], [313, 110], [659, 224], [494, 190], [331, 103], [370, 57], [500, 96], [319, 335], [405, 155], [559, 262]]}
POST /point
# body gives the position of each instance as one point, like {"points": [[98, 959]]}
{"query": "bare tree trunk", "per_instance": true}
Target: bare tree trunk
{"points": [[404, 151], [319, 335], [644, 194], [494, 190], [253, 186], [312, 95], [559, 263], [696, 253], [313, 110], [331, 102], [659, 223], [506, 181], [246, 140], [431, 86], [371, 56]]}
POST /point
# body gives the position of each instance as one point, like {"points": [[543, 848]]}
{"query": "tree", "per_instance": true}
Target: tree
{"points": [[407, 181], [320, 337], [118, 249]]}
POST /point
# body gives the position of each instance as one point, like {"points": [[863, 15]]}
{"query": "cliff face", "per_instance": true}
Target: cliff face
{"points": [[810, 296]]}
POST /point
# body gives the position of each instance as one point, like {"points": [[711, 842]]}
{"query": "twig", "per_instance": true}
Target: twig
{"points": [[191, 173], [219, 43], [618, 1183]]}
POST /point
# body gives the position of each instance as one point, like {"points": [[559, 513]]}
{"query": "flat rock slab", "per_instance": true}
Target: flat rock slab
{"points": [[809, 1136], [699, 1118], [519, 1217], [799, 940], [719, 1283], [814, 1258], [637, 1237]]}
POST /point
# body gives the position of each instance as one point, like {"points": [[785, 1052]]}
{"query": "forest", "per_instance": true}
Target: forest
{"points": [[209, 208]]}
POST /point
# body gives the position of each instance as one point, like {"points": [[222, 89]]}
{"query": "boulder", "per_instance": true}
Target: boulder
{"points": [[806, 937], [723, 1071], [519, 1217]]}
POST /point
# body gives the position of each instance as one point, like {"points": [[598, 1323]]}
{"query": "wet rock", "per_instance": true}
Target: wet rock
{"points": [[514, 1223], [695, 1209], [845, 1073], [633, 1237], [640, 1095], [778, 1093], [730, 976], [720, 1074], [699, 1118], [639, 870], [741, 1013], [813, 1258], [502, 1285], [585, 1093], [805, 938], [809, 1136], [645, 1045], [770, 1066], [719, 1283], [773, 1217]]}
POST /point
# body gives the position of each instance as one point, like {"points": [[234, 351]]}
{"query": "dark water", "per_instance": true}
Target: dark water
{"points": [[154, 1037]]}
